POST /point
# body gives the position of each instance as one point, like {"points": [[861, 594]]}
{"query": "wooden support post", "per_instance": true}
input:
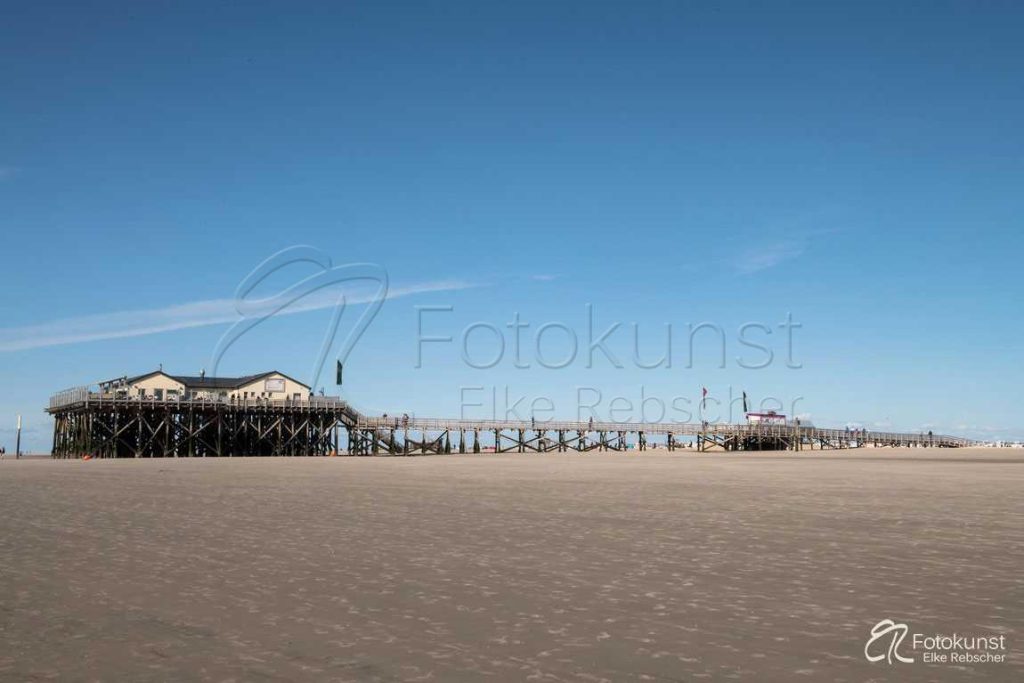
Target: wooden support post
{"points": [[138, 444], [191, 433]]}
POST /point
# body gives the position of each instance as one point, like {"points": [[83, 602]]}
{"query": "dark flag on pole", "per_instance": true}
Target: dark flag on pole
{"points": [[338, 373], [703, 397], [745, 409]]}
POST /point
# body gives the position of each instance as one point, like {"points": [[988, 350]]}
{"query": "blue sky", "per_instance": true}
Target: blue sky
{"points": [[858, 168]]}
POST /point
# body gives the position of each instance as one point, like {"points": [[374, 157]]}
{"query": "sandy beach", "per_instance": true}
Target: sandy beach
{"points": [[655, 567]]}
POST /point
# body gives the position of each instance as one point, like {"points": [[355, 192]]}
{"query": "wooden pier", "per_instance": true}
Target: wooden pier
{"points": [[108, 426], [391, 436]]}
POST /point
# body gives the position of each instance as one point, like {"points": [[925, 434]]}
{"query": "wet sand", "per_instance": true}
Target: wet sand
{"points": [[655, 567]]}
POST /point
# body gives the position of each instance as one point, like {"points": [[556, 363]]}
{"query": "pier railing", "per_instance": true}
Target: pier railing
{"points": [[84, 396], [69, 397]]}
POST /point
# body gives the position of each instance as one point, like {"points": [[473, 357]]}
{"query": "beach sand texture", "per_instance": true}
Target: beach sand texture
{"points": [[598, 567]]}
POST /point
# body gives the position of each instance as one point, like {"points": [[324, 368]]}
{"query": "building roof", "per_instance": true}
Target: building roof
{"points": [[200, 382], [136, 378], [196, 382]]}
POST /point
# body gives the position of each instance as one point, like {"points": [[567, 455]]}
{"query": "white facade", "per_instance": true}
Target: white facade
{"points": [[161, 386], [768, 418]]}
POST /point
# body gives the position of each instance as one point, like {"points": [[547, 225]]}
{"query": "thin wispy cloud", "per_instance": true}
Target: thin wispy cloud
{"points": [[757, 258], [137, 323], [543, 277], [793, 243]]}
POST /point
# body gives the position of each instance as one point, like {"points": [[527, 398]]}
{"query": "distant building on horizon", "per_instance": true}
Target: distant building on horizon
{"points": [[769, 417]]}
